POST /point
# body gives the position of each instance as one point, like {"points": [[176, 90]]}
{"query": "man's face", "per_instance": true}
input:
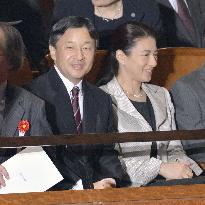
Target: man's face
{"points": [[4, 66], [74, 53]]}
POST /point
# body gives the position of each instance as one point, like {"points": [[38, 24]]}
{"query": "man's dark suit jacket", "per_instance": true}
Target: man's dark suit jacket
{"points": [[175, 32], [89, 163], [189, 100], [22, 105]]}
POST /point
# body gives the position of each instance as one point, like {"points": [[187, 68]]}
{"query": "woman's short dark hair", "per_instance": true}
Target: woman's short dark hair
{"points": [[123, 38], [13, 45], [66, 23]]}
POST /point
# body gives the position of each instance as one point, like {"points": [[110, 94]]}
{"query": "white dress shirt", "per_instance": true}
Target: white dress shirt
{"points": [[69, 86], [175, 6]]}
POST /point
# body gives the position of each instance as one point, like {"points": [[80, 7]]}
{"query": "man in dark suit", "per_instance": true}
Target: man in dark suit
{"points": [[72, 46], [176, 33], [189, 100], [16, 104]]}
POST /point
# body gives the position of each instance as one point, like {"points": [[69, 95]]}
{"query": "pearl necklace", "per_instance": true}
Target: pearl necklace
{"points": [[116, 14], [139, 95]]}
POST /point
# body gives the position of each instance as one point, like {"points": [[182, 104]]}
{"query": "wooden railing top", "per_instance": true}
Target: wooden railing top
{"points": [[181, 51], [102, 138], [172, 195]]}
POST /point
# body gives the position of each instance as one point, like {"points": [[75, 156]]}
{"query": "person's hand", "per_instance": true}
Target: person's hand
{"points": [[105, 183], [3, 174], [176, 170]]}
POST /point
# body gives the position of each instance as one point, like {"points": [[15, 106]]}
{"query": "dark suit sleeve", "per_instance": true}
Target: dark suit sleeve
{"points": [[112, 123], [189, 116], [188, 110]]}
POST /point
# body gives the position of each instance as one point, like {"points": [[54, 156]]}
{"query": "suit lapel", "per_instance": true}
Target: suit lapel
{"points": [[13, 112], [89, 109], [158, 105], [61, 99], [130, 8], [125, 105]]}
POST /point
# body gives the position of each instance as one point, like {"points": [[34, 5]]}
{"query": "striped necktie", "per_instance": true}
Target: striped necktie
{"points": [[76, 108], [186, 18]]}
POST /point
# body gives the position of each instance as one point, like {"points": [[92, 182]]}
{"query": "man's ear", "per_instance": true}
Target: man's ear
{"points": [[52, 52], [120, 56]]}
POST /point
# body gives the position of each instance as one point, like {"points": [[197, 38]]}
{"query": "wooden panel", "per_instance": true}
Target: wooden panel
{"points": [[172, 195], [22, 76], [99, 57], [173, 63]]}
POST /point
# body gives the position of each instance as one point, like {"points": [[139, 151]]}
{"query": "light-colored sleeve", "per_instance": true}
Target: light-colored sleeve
{"points": [[176, 153], [143, 174], [140, 169]]}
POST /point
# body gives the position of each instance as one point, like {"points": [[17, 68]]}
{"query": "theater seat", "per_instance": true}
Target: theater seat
{"points": [[173, 63]]}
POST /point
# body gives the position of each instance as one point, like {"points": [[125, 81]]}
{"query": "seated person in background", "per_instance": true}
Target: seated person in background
{"points": [[16, 104], [30, 25], [183, 22], [189, 100], [142, 107], [45, 10], [74, 106], [106, 15]]}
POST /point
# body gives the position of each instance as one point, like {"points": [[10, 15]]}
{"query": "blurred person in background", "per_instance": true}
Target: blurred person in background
{"points": [[30, 25], [183, 22], [106, 15]]}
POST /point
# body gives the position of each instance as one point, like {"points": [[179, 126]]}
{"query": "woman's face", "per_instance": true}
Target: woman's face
{"points": [[140, 62], [103, 3]]}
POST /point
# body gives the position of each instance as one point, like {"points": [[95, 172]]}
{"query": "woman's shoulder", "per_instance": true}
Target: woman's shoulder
{"points": [[111, 86], [154, 87], [155, 90]]}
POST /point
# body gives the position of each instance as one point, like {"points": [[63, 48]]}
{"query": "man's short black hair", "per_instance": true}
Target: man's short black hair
{"points": [[66, 23]]}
